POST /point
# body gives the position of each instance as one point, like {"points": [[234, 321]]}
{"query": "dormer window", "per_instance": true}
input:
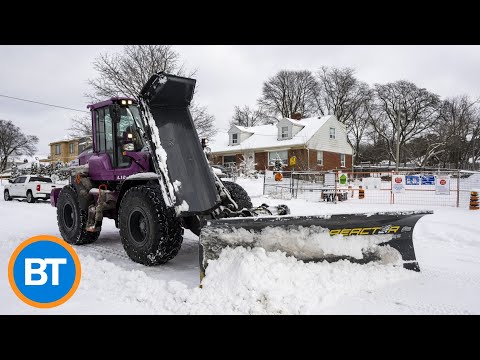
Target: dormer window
{"points": [[284, 132], [234, 138]]}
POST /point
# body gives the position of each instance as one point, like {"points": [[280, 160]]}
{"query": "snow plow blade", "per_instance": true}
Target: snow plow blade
{"points": [[165, 100], [360, 238]]}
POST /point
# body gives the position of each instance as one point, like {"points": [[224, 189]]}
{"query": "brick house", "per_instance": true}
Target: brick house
{"points": [[318, 143], [68, 149]]}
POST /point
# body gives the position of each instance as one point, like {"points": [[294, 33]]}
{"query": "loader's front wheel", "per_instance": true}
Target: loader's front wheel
{"points": [[72, 220], [151, 233], [238, 194]]}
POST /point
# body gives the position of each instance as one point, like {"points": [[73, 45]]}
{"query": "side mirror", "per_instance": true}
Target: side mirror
{"points": [[115, 112], [10, 180]]}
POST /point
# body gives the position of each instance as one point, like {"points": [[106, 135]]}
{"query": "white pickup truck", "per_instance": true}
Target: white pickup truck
{"points": [[31, 187]]}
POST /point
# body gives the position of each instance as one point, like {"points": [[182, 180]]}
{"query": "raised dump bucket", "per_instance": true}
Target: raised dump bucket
{"points": [[360, 238], [167, 98]]}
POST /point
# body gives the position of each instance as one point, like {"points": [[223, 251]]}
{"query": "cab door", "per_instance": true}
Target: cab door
{"points": [[101, 162]]}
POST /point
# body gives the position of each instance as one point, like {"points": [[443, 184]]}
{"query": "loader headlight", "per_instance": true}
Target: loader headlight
{"points": [[128, 147], [124, 102]]}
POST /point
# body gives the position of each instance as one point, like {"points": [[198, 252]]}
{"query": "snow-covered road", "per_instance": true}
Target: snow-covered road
{"points": [[447, 245]]}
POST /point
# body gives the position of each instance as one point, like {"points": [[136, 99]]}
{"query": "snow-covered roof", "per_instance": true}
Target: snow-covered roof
{"points": [[244, 129], [35, 158], [67, 138], [266, 136]]}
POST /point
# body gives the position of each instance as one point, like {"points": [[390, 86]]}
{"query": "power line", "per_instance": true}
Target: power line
{"points": [[41, 103]]}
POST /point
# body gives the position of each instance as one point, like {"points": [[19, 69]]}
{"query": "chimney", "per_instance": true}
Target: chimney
{"points": [[296, 116]]}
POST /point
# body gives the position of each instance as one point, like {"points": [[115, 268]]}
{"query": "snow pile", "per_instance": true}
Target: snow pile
{"points": [[240, 281], [259, 282], [305, 243]]}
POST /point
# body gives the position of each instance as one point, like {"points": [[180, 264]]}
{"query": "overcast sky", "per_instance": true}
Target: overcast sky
{"points": [[226, 75]]}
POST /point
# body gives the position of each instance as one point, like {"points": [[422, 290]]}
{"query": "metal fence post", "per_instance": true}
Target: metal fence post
{"points": [[458, 188], [264, 177], [335, 191], [392, 195]]}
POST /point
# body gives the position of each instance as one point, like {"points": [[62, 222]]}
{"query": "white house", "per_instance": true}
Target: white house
{"points": [[318, 143]]}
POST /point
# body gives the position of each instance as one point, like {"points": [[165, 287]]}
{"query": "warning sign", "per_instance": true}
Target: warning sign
{"points": [[293, 161], [442, 185], [398, 184]]}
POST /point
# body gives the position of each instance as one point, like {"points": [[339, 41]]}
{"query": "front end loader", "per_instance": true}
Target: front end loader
{"points": [[148, 171]]}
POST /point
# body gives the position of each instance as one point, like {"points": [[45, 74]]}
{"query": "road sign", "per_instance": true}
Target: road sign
{"points": [[293, 161]]}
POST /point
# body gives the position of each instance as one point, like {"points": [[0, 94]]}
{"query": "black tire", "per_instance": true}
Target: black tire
{"points": [[30, 198], [151, 233], [72, 220], [238, 194], [6, 196]]}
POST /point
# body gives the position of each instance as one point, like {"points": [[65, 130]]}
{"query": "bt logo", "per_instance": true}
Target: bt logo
{"points": [[44, 271]]}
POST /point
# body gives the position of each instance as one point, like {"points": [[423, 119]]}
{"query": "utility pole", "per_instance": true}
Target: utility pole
{"points": [[398, 139]]}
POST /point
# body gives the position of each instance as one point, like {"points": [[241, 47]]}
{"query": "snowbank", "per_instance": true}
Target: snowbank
{"points": [[240, 281]]}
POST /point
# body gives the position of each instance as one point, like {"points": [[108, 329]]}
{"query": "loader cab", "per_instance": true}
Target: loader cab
{"points": [[117, 128]]}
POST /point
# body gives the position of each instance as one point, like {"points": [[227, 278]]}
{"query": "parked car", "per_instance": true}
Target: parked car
{"points": [[30, 187]]}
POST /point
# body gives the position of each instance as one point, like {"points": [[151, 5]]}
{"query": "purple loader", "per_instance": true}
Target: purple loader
{"points": [[148, 171]]}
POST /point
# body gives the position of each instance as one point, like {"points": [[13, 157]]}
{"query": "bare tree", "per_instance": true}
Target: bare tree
{"points": [[290, 92], [203, 121], [418, 109], [341, 93], [423, 150], [13, 143], [247, 116], [358, 126], [458, 127], [81, 126], [126, 73]]}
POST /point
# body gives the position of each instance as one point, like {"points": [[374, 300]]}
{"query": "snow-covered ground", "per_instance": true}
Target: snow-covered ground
{"points": [[243, 281]]}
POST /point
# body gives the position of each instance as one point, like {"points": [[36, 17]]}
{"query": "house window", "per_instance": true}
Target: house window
{"points": [[278, 155], [284, 132], [342, 160], [332, 133], [320, 158], [72, 148], [234, 138], [229, 160], [57, 149]]}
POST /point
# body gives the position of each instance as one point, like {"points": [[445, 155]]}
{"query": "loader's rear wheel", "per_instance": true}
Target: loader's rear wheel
{"points": [[151, 233], [238, 194], [72, 220]]}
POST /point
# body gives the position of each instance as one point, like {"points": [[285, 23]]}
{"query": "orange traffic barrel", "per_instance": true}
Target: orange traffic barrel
{"points": [[361, 193], [474, 200]]}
